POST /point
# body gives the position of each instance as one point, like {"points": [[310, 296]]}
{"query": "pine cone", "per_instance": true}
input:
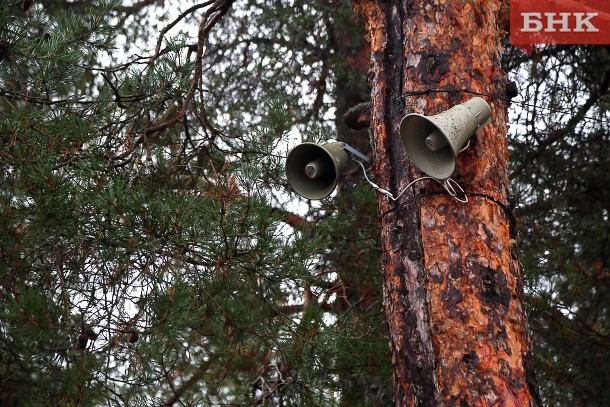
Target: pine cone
{"points": [[82, 341], [133, 338]]}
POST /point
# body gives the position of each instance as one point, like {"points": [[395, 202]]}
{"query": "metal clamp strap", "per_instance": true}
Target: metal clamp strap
{"points": [[355, 152]]}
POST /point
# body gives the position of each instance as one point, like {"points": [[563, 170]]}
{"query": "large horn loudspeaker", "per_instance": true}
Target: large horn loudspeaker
{"points": [[433, 142], [313, 169]]}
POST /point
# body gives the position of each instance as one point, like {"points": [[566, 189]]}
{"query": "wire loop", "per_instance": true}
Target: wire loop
{"points": [[449, 185]]}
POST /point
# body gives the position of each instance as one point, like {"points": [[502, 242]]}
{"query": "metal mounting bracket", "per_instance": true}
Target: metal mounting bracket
{"points": [[355, 152]]}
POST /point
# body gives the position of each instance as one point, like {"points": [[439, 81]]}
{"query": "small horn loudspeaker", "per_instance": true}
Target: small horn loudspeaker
{"points": [[433, 142], [313, 169]]}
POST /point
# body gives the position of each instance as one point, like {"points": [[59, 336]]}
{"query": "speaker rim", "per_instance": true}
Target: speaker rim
{"points": [[409, 138], [291, 172]]}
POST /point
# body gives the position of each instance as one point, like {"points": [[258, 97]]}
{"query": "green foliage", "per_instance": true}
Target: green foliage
{"points": [[144, 264], [560, 151], [149, 252]]}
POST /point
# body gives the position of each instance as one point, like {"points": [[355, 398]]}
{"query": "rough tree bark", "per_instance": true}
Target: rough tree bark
{"points": [[453, 284]]}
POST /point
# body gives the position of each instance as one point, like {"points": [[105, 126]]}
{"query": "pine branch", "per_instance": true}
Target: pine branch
{"points": [[359, 116], [568, 128], [173, 24], [211, 16], [191, 382]]}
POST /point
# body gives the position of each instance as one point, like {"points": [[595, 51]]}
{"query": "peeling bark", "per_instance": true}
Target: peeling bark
{"points": [[453, 290]]}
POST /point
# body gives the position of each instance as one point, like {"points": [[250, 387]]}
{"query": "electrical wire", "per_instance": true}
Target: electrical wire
{"points": [[449, 185]]}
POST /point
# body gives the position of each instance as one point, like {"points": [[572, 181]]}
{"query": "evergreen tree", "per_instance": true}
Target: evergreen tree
{"points": [[150, 255], [145, 252], [559, 143]]}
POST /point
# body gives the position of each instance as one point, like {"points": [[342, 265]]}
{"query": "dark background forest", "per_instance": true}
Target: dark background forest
{"points": [[152, 253]]}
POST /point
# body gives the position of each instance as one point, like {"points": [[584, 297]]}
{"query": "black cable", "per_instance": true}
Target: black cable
{"points": [[512, 220], [508, 100], [400, 205]]}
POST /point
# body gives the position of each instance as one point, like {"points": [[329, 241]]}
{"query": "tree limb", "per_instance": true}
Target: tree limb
{"points": [[569, 127]]}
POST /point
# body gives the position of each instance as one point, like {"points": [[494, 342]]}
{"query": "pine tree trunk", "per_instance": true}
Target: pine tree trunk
{"points": [[453, 289]]}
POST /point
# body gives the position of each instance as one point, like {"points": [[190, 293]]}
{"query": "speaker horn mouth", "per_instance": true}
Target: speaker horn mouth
{"points": [[427, 146], [313, 170]]}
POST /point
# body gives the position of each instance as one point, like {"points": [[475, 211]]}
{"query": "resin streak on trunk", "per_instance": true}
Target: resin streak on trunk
{"points": [[404, 275]]}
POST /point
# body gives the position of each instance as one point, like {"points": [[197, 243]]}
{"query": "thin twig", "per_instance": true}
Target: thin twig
{"points": [[173, 23]]}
